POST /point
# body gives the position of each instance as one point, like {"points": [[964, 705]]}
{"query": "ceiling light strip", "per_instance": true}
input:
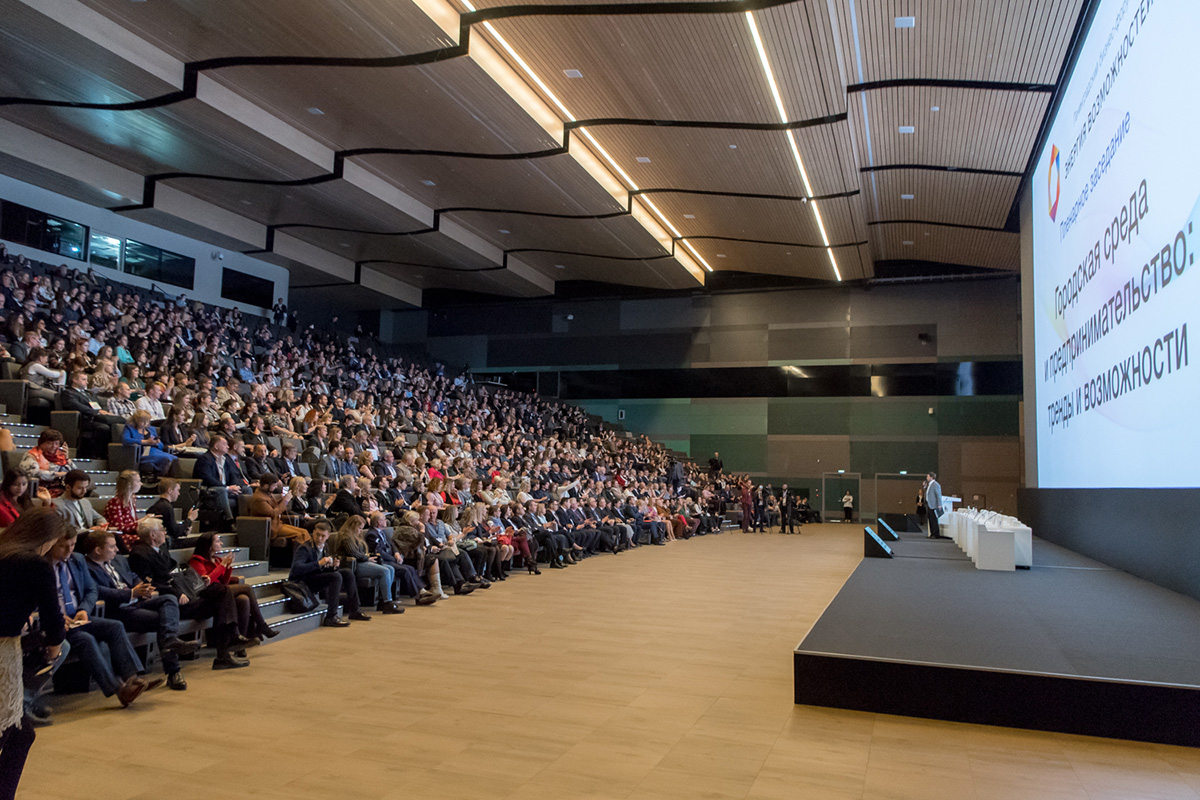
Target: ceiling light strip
{"points": [[783, 117], [632, 185]]}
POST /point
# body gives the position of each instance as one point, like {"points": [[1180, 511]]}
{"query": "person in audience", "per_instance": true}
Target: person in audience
{"points": [[15, 499], [347, 499], [73, 505], [44, 382], [453, 562], [176, 438], [312, 564], [286, 465], [137, 605], [120, 404], [115, 669], [351, 547], [164, 509], [218, 475], [151, 401], [29, 585], [151, 453], [121, 509], [198, 598], [270, 499], [208, 562], [381, 546], [48, 461], [95, 427], [255, 465]]}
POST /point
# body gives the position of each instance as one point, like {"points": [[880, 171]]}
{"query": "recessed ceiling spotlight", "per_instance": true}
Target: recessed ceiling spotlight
{"points": [[246, 203], [935, 108], [689, 216], [733, 147], [908, 243], [572, 73], [908, 129], [505, 230], [344, 244], [560, 266], [906, 22], [418, 275], [429, 183], [643, 159], [316, 112], [907, 196], [720, 255]]}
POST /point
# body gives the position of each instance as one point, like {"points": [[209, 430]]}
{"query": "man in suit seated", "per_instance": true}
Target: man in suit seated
{"points": [[312, 564], [256, 464], [286, 465], [117, 672], [408, 581], [337, 464], [137, 604], [95, 427], [219, 476]]}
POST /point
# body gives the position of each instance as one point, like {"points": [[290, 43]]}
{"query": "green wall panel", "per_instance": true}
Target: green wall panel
{"points": [[978, 416], [815, 417], [888, 417], [868, 457], [740, 453]]}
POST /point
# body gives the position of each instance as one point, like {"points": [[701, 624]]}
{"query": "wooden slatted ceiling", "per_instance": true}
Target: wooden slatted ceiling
{"points": [[452, 105], [973, 128], [739, 217], [332, 204], [187, 136], [657, 274], [693, 67], [1021, 41], [620, 236], [556, 185], [762, 163], [992, 249], [953, 197], [432, 249], [193, 31], [781, 260], [808, 78], [43, 60]]}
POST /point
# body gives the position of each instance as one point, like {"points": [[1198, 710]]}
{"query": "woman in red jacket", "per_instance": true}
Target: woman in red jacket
{"points": [[13, 502], [219, 570]]}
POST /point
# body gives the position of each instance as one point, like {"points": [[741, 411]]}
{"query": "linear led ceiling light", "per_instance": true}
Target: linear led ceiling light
{"points": [[783, 117], [650, 223]]}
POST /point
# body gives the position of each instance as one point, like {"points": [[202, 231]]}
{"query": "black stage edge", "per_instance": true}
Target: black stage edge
{"points": [[1070, 646]]}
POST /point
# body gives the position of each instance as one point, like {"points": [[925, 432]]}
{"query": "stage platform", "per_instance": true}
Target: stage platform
{"points": [[1069, 645]]}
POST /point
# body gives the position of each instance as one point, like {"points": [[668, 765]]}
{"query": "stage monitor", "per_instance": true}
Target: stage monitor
{"points": [[1115, 230]]}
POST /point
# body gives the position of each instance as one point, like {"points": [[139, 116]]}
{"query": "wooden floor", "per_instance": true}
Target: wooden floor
{"points": [[665, 672]]}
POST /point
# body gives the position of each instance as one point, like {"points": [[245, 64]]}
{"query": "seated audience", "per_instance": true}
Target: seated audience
{"points": [[136, 604]]}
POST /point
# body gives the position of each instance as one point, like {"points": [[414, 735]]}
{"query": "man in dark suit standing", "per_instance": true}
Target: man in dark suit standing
{"points": [[137, 604], [787, 503]]}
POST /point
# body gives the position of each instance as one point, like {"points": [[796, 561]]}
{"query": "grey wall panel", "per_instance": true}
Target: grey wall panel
{"points": [[664, 313], [809, 344], [1150, 533]]}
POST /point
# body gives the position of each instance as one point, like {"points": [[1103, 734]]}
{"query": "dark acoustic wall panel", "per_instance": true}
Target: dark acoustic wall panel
{"points": [[1150, 533]]}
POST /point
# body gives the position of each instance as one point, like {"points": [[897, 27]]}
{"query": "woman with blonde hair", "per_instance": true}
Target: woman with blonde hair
{"points": [[351, 546], [121, 509]]}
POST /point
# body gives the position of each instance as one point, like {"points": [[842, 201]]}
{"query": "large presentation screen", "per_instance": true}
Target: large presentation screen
{"points": [[1115, 234]]}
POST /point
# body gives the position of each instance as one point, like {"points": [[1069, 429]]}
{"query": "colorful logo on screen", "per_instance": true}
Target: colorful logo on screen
{"points": [[1053, 186]]}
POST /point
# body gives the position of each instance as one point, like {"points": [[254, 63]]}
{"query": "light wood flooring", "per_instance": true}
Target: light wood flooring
{"points": [[665, 672]]}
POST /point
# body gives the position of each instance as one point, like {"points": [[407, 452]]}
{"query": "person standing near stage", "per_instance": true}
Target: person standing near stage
{"points": [[715, 465], [848, 505], [787, 509], [933, 504]]}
